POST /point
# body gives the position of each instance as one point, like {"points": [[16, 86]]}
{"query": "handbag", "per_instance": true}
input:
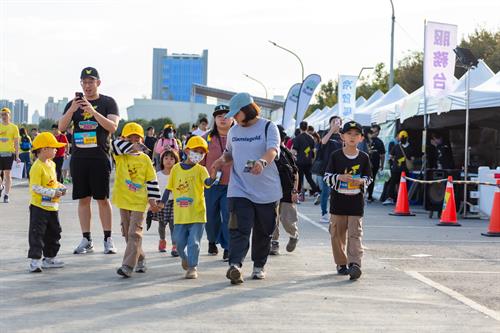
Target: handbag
{"points": [[409, 163]]}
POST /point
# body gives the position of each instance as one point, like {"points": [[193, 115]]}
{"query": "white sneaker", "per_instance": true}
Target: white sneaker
{"points": [[258, 273], [52, 263], [36, 266], [325, 218], [388, 201], [85, 246], [109, 246], [141, 266]]}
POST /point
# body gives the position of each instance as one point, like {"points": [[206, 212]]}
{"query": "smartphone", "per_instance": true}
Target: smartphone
{"points": [[218, 176], [249, 166], [79, 95]]}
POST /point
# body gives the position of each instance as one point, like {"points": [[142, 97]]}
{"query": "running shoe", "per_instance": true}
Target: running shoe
{"points": [[6, 198], [162, 245], [317, 199], [325, 218], [354, 271], [85, 246], [192, 273], [52, 263], [109, 246], [388, 202], [275, 248], [124, 271], [174, 252], [225, 256], [212, 249], [36, 266], [292, 244], [342, 270], [141, 266], [234, 274], [258, 273]]}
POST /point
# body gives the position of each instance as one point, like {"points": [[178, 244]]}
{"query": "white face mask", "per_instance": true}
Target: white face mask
{"points": [[170, 135], [195, 157]]}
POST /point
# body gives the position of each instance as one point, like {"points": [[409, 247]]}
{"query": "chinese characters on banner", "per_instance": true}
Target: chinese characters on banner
{"points": [[439, 58], [347, 96]]}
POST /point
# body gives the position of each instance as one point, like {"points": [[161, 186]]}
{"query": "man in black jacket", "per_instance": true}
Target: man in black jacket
{"points": [[329, 143], [303, 149]]}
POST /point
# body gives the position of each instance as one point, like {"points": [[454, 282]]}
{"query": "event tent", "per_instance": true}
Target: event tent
{"points": [[363, 115]]}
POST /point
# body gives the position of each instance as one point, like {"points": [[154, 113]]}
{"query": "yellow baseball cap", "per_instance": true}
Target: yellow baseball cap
{"points": [[5, 110], [197, 142], [403, 134], [132, 128], [46, 140], [168, 126]]}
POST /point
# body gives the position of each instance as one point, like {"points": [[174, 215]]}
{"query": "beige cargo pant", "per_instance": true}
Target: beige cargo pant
{"points": [[346, 232], [131, 222], [288, 217]]}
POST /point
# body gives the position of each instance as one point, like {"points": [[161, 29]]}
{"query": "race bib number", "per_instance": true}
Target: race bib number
{"points": [[349, 187], [50, 202], [86, 139]]}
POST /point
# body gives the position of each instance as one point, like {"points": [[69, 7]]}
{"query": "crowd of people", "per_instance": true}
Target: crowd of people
{"points": [[237, 181]]}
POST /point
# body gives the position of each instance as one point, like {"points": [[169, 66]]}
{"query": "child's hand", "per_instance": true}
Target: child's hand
{"points": [[345, 178], [358, 181], [58, 194]]}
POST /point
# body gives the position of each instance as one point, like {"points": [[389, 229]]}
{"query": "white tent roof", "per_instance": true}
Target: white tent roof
{"points": [[363, 116], [484, 95], [414, 104], [313, 115]]}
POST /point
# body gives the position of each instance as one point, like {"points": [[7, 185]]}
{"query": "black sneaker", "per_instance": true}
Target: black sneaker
{"points": [[225, 256], [342, 270], [354, 271], [234, 274], [212, 249], [6, 198]]}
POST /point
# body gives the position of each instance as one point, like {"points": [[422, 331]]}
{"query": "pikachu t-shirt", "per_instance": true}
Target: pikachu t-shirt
{"points": [[188, 189]]}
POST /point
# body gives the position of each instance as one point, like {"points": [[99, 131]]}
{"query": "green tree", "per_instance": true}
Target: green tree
{"points": [[183, 129], [484, 45], [46, 124], [159, 123]]}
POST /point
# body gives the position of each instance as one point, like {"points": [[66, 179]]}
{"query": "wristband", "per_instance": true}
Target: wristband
{"points": [[263, 162]]}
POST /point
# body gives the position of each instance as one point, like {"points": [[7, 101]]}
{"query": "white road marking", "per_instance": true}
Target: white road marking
{"points": [[444, 259], [461, 272], [421, 255], [314, 223], [459, 297]]}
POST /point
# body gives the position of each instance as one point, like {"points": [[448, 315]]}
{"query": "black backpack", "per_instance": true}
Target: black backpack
{"points": [[287, 169]]}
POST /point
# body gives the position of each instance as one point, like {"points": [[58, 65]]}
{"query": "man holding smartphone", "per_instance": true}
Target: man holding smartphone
{"points": [[95, 117]]}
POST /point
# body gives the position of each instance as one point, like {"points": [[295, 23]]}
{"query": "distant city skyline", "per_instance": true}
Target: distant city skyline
{"points": [[44, 44]]}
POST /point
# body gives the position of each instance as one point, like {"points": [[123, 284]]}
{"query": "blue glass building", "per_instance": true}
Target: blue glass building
{"points": [[174, 75]]}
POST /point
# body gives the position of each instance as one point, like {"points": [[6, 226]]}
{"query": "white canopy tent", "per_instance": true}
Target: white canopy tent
{"points": [[363, 115], [414, 104]]}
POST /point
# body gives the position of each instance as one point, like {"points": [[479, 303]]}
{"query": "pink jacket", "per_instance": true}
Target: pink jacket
{"points": [[163, 143]]}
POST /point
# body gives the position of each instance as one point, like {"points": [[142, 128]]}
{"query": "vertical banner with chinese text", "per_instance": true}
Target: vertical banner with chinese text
{"points": [[307, 88], [290, 105], [347, 96], [439, 58]]}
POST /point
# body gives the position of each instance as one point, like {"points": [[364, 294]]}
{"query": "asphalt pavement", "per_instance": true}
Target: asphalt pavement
{"points": [[417, 277]]}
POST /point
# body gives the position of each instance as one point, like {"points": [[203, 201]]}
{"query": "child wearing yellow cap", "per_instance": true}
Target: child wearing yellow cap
{"points": [[187, 183], [135, 185], [45, 230]]}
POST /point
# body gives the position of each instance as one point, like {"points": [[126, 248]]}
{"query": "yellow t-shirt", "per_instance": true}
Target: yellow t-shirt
{"points": [[7, 135], [44, 174], [132, 172], [188, 189]]}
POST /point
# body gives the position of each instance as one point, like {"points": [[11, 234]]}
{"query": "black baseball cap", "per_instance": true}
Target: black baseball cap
{"points": [[352, 125], [89, 72], [220, 109]]}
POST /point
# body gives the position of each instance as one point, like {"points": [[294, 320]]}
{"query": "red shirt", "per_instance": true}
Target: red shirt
{"points": [[61, 138]]}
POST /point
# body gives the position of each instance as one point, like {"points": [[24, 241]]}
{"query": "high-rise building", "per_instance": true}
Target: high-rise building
{"points": [[18, 109], [174, 75], [53, 109], [35, 118], [20, 112]]}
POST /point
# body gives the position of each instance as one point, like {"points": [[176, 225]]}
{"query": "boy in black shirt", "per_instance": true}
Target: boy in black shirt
{"points": [[348, 174]]}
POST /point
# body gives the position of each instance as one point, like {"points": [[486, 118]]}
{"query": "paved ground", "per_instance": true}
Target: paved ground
{"points": [[417, 278]]}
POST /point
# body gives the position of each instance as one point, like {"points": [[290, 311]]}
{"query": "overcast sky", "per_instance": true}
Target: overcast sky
{"points": [[44, 44]]}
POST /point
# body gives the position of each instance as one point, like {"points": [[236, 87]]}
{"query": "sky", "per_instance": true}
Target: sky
{"points": [[44, 44]]}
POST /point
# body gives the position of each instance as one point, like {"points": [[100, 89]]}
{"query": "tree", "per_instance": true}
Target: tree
{"points": [[409, 73], [484, 45], [46, 124], [326, 96], [158, 124], [183, 129]]}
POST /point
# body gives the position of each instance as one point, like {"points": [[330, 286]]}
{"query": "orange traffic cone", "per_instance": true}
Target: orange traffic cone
{"points": [[494, 228], [449, 212], [402, 205]]}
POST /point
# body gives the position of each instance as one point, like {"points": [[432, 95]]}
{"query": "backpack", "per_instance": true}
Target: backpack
{"points": [[25, 143], [287, 169]]}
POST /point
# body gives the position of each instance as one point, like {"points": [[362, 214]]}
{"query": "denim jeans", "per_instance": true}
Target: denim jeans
{"points": [[25, 158], [325, 194], [188, 237], [217, 215]]}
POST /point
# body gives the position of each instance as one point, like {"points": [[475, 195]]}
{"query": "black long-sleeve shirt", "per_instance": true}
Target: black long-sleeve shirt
{"points": [[347, 198]]}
